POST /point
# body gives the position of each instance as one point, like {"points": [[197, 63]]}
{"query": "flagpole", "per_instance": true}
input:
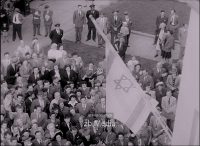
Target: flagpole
{"points": [[153, 109]]}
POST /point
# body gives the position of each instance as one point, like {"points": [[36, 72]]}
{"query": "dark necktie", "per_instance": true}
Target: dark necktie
{"points": [[15, 18], [169, 101], [115, 20]]}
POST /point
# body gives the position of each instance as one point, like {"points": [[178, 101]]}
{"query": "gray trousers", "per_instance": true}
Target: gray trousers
{"points": [[78, 33], [47, 28]]}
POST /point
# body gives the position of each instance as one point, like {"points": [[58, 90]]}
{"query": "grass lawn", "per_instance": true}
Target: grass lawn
{"points": [[95, 55], [144, 12]]}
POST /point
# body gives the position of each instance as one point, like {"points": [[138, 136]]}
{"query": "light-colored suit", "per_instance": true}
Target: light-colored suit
{"points": [[170, 84], [48, 21], [168, 105]]}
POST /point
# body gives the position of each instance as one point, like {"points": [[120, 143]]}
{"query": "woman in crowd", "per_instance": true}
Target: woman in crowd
{"points": [[160, 38]]}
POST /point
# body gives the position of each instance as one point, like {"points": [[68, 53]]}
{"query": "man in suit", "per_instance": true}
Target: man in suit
{"points": [[160, 92], [17, 24], [79, 20], [173, 81], [101, 107], [48, 20], [84, 108], [162, 18], [115, 25], [40, 116], [102, 21], [35, 76], [38, 141], [12, 71], [36, 21], [91, 27], [56, 35], [159, 73], [74, 136], [121, 141], [68, 75], [169, 104], [174, 22], [146, 79], [129, 25], [39, 101], [66, 125]]}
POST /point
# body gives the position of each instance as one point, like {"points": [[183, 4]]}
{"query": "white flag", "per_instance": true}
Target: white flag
{"points": [[124, 96]]}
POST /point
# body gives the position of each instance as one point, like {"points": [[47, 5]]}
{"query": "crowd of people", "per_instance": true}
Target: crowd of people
{"points": [[48, 98]]}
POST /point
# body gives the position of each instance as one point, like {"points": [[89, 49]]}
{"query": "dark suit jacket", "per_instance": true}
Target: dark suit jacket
{"points": [[79, 20], [28, 103], [160, 20], [32, 79], [159, 95], [10, 78], [65, 78], [64, 128], [95, 14], [46, 76], [74, 140], [55, 37], [52, 74], [117, 25]]}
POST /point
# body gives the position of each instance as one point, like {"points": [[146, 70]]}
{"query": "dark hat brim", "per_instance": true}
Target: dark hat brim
{"points": [[47, 6], [92, 6], [56, 25]]}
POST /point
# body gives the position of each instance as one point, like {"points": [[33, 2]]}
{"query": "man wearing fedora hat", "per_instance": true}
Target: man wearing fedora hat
{"points": [[115, 25], [56, 35], [91, 27], [48, 20], [17, 24]]}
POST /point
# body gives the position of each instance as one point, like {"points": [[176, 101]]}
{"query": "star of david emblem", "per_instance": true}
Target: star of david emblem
{"points": [[124, 83]]}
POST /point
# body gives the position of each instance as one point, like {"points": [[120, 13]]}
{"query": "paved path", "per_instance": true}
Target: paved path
{"points": [[63, 13]]}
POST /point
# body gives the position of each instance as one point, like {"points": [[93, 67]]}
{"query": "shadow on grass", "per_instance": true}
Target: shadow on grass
{"points": [[95, 55]]}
